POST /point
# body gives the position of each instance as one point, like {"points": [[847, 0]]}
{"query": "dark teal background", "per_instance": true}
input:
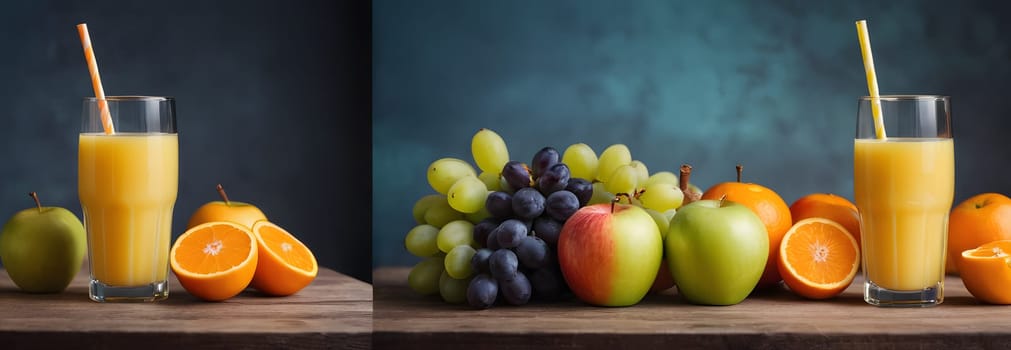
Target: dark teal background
{"points": [[271, 97], [770, 84]]}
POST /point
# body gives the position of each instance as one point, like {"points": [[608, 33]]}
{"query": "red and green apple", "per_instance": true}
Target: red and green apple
{"points": [[610, 254]]}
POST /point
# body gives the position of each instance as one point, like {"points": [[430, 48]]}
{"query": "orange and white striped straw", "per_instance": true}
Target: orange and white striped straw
{"points": [[96, 80]]}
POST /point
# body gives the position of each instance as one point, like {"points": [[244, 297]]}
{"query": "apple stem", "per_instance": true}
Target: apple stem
{"points": [[686, 172], [723, 200], [617, 199], [740, 169], [690, 195], [36, 197], [221, 191]]}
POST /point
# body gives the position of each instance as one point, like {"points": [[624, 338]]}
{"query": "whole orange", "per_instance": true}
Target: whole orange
{"points": [[769, 207], [244, 214], [984, 218], [828, 206]]}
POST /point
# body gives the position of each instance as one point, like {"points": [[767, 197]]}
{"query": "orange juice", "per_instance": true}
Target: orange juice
{"points": [[904, 188], [127, 183]]}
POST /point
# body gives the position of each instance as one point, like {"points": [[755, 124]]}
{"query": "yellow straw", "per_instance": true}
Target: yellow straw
{"points": [[96, 80], [872, 79]]}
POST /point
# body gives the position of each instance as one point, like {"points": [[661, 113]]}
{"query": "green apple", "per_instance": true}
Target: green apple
{"points": [[609, 254], [716, 251], [42, 248]]}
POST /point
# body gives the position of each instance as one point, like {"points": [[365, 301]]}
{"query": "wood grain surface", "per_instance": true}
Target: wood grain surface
{"points": [[774, 319], [334, 312]]}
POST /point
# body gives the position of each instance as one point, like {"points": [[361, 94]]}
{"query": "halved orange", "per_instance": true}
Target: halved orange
{"points": [[986, 271], [818, 258], [286, 265], [216, 260]]}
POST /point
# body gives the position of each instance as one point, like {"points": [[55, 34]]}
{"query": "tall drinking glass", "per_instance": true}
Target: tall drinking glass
{"points": [[127, 182], [904, 186]]}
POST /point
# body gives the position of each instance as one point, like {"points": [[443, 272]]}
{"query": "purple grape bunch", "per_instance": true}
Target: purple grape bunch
{"points": [[518, 258]]}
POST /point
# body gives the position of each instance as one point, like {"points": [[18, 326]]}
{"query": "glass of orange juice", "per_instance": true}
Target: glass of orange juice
{"points": [[127, 183], [904, 186]]}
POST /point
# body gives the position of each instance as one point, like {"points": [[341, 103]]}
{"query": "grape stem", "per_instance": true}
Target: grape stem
{"points": [[224, 196], [530, 174], [617, 199], [36, 197], [740, 169]]}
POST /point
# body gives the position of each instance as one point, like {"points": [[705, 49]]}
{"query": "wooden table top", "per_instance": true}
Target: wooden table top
{"points": [[334, 312], [774, 319]]}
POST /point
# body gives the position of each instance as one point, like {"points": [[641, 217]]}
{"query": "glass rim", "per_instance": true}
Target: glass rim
{"points": [[132, 98], [907, 98]]}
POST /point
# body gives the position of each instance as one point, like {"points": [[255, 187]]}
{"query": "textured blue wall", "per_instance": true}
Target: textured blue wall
{"points": [[772, 85], [272, 99]]}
